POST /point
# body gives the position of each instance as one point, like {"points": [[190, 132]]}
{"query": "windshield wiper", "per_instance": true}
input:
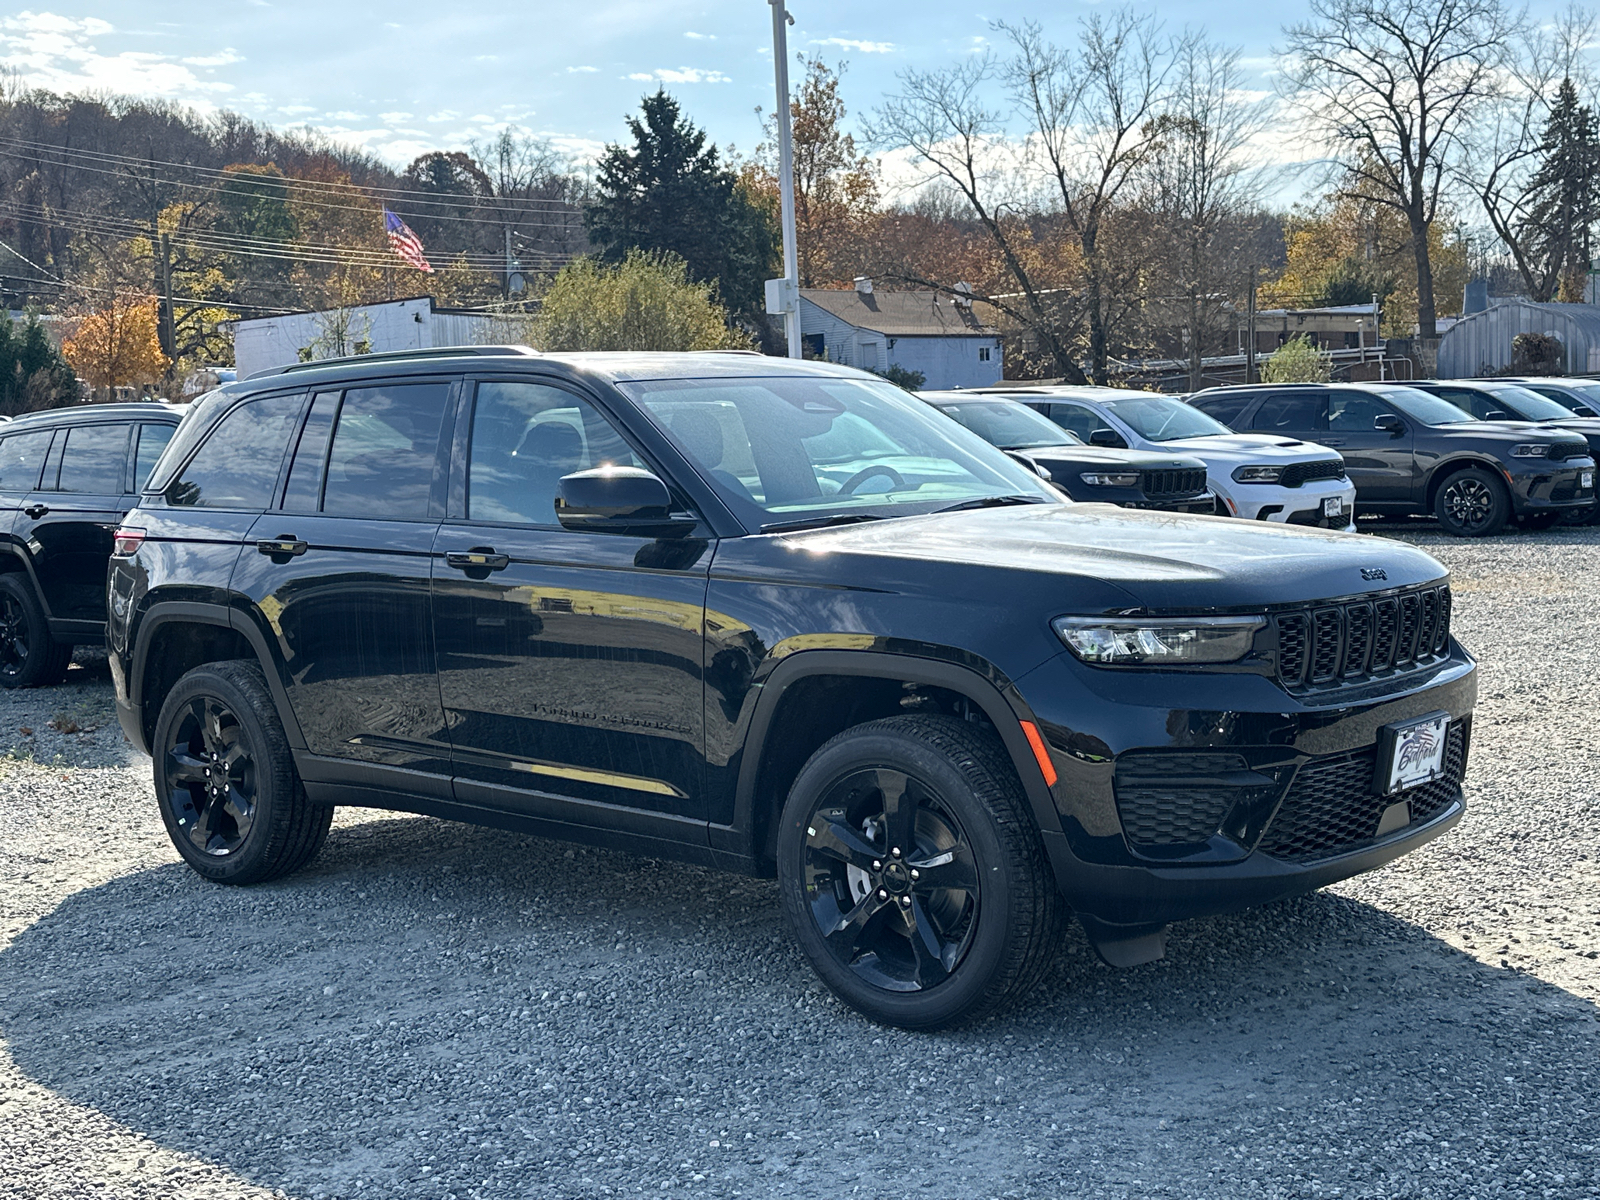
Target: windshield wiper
{"points": [[820, 522], [992, 502]]}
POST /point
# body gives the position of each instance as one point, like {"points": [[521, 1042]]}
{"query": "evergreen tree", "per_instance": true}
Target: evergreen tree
{"points": [[1563, 198], [670, 193], [33, 375]]}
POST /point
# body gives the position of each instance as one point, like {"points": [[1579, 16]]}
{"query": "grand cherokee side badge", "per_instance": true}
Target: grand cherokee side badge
{"points": [[1371, 573]]}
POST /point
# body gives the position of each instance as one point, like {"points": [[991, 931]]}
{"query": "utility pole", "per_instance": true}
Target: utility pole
{"points": [[167, 327], [783, 295], [1250, 326]]}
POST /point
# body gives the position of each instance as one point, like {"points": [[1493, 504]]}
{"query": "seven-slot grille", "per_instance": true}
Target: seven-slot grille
{"points": [[1342, 643], [1173, 482], [1299, 473]]}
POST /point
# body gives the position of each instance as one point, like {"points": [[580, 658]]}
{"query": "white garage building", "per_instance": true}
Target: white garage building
{"points": [[918, 331]]}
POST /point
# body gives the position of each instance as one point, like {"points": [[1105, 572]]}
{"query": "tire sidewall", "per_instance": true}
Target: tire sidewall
{"points": [[273, 780], [1502, 504], [39, 641], [967, 987]]}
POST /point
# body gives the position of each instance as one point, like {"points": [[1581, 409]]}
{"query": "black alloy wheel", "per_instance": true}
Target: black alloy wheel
{"points": [[226, 783], [891, 881], [1472, 503], [912, 873], [29, 656]]}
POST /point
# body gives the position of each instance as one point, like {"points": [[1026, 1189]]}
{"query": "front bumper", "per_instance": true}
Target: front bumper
{"points": [[1551, 487], [1238, 774], [1297, 506]]}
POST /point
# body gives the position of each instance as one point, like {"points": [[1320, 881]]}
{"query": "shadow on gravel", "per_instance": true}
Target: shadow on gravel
{"points": [[436, 1010]]}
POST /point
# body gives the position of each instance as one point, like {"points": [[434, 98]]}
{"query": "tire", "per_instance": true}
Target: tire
{"points": [[902, 933], [29, 656], [1472, 503], [226, 784]]}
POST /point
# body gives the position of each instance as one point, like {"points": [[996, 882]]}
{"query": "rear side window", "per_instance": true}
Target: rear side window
{"points": [[385, 445], [1292, 412], [237, 467], [153, 440], [1227, 409], [95, 460], [21, 458]]}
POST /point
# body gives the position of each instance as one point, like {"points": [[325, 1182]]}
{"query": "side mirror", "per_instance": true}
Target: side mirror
{"points": [[1496, 414], [1030, 463], [1389, 423], [626, 500], [1109, 438]]}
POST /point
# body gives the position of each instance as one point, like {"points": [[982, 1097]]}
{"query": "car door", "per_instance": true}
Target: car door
{"points": [[22, 458], [1380, 462], [68, 522], [340, 567], [570, 663]]}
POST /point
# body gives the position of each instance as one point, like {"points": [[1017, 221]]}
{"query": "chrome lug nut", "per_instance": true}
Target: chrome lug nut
{"points": [[876, 865], [916, 874], [895, 853], [882, 894], [905, 901]]}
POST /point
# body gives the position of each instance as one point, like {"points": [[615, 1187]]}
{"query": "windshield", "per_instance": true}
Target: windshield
{"points": [[1589, 391], [1530, 406], [797, 448], [1159, 419], [1009, 425], [1421, 406]]}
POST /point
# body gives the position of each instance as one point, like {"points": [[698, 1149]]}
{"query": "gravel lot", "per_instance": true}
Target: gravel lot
{"points": [[433, 1011]]}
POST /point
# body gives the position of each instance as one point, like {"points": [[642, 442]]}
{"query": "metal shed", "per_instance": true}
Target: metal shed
{"points": [[1480, 344]]}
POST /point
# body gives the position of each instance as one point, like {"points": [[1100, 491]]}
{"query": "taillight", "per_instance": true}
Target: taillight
{"points": [[125, 543]]}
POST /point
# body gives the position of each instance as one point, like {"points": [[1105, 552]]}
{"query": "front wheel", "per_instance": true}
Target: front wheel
{"points": [[912, 874], [1472, 503]]}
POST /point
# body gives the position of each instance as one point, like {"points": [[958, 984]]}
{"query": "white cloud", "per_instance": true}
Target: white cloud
{"points": [[854, 44], [685, 75], [582, 70], [700, 37], [296, 110], [393, 118], [642, 77], [221, 59], [60, 54], [345, 116], [446, 115]]}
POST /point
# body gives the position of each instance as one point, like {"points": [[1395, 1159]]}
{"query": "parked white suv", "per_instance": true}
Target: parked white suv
{"points": [[1260, 477]]}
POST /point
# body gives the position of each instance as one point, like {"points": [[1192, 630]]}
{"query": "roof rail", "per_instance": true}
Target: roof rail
{"points": [[401, 356]]}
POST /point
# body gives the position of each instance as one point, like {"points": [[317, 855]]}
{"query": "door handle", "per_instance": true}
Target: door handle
{"points": [[36, 510], [286, 546], [479, 558]]}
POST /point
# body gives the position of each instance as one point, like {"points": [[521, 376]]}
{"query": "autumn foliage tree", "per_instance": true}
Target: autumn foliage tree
{"points": [[118, 343], [646, 302]]}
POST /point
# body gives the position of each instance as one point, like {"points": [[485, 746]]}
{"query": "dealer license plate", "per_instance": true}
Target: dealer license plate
{"points": [[1333, 506], [1412, 752], [1586, 480]]}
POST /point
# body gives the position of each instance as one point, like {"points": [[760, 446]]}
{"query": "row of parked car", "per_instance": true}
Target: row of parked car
{"points": [[1476, 454]]}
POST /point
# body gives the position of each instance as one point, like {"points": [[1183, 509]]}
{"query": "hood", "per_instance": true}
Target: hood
{"points": [[1162, 561], [1512, 431], [1236, 448], [1104, 456]]}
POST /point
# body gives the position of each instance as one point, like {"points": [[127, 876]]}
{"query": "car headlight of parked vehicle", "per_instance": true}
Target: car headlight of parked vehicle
{"points": [[1257, 474], [1110, 478], [1132, 641], [1531, 450]]}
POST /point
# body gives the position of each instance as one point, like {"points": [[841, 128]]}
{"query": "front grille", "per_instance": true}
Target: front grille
{"points": [[1332, 808], [1173, 483], [1176, 799], [1562, 451], [1296, 474], [1344, 643]]}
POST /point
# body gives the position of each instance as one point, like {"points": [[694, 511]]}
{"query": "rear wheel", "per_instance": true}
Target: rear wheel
{"points": [[912, 874], [1472, 503], [226, 784], [29, 656]]}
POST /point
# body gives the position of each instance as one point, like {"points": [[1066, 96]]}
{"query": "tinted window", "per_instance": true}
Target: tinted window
{"points": [[1421, 406], [95, 460], [385, 442], [1479, 404], [304, 492], [525, 437], [1292, 412], [1007, 423], [1077, 419], [1528, 404], [153, 440], [1227, 409], [238, 465], [21, 457], [1354, 412]]}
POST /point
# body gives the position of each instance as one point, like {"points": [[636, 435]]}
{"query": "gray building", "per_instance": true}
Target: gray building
{"points": [[936, 335], [1480, 343]]}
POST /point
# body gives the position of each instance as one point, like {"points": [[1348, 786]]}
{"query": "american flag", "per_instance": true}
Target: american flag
{"points": [[403, 242]]}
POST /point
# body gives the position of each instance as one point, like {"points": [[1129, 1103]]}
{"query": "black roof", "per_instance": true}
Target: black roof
{"points": [[90, 414]]}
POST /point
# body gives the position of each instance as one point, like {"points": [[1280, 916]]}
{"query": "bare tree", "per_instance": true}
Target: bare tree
{"points": [[1090, 106], [1393, 87]]}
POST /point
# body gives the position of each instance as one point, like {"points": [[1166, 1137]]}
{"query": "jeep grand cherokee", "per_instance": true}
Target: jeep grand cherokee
{"points": [[780, 618]]}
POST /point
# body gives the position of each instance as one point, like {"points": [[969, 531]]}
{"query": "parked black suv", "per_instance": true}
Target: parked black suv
{"points": [[67, 477], [1408, 451], [1579, 396], [1091, 474], [774, 617]]}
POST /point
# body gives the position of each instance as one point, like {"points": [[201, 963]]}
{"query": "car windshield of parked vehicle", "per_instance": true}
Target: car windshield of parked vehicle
{"points": [[1009, 425], [1590, 392], [1420, 406], [1528, 405], [801, 448], [1159, 419]]}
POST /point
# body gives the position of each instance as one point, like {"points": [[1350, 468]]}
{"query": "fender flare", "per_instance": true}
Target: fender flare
{"points": [[26, 559], [996, 697], [1430, 484], [196, 612]]}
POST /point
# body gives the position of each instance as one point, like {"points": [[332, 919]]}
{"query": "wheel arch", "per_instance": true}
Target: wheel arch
{"points": [[17, 561], [856, 686], [1454, 466]]}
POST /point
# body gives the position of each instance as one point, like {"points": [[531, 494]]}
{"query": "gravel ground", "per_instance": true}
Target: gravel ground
{"points": [[433, 1010]]}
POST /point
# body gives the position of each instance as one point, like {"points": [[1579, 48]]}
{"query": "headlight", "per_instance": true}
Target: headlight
{"points": [[1257, 474], [1114, 479], [1116, 641], [1530, 450]]}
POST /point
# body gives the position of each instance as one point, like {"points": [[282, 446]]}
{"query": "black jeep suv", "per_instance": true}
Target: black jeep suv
{"points": [[67, 477], [1408, 451], [775, 617]]}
